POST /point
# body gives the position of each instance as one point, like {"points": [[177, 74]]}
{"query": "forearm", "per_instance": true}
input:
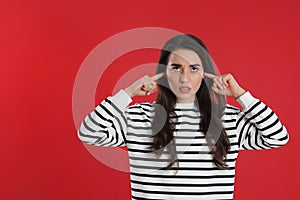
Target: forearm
{"points": [[259, 126], [106, 124]]}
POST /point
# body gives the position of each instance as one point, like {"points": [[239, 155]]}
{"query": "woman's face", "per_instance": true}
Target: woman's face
{"points": [[184, 73]]}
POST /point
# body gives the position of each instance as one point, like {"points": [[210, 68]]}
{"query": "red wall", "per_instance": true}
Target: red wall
{"points": [[43, 44]]}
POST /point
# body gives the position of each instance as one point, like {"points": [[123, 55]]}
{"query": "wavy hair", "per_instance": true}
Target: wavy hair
{"points": [[210, 105]]}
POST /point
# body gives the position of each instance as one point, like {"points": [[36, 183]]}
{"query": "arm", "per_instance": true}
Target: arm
{"points": [[258, 126], [106, 124]]}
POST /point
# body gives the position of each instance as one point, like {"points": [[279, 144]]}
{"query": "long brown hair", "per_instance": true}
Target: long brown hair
{"points": [[210, 105]]}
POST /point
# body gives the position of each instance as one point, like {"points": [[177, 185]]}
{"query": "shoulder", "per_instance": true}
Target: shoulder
{"points": [[231, 111], [144, 107], [144, 110], [230, 117], [231, 108]]}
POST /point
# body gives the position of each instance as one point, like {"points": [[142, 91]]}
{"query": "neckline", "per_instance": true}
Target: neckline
{"points": [[185, 105]]}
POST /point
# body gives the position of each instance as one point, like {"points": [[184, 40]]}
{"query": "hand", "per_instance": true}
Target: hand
{"points": [[143, 86], [225, 85]]}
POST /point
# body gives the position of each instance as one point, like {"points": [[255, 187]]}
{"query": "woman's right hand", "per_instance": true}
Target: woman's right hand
{"points": [[143, 86]]}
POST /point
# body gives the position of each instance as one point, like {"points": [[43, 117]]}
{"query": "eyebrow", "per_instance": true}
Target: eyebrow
{"points": [[179, 65]]}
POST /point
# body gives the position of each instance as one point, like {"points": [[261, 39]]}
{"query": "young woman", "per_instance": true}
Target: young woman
{"points": [[185, 144]]}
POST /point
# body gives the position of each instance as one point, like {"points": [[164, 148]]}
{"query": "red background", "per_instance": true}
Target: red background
{"points": [[43, 44]]}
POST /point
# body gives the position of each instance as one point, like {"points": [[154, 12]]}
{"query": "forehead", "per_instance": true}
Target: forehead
{"points": [[184, 55]]}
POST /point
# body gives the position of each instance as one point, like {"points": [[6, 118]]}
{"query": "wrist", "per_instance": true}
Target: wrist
{"points": [[128, 91], [239, 93]]}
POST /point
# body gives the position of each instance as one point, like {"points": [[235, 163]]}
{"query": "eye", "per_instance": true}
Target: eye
{"points": [[175, 68], [194, 69]]}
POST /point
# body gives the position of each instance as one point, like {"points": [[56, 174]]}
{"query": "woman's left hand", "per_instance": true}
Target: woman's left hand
{"points": [[225, 85]]}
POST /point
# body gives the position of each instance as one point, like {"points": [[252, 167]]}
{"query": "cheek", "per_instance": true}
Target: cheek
{"points": [[172, 78], [197, 80]]}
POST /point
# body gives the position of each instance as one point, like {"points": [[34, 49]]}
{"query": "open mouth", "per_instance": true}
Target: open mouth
{"points": [[185, 89]]}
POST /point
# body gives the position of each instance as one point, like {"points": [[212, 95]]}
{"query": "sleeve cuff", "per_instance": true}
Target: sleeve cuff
{"points": [[246, 100], [121, 100]]}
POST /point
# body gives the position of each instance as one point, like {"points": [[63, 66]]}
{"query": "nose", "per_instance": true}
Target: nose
{"points": [[183, 76]]}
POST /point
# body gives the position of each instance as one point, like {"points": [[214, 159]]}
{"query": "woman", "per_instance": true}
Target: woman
{"points": [[185, 145]]}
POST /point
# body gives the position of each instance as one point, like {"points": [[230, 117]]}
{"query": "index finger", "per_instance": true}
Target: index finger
{"points": [[157, 76], [209, 75]]}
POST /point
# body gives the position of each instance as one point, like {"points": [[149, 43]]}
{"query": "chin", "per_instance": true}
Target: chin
{"points": [[185, 99]]}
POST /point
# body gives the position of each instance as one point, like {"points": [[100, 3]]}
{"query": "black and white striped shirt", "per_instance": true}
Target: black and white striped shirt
{"points": [[113, 123]]}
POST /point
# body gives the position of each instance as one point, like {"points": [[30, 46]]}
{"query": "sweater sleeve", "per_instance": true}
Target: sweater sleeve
{"points": [[258, 126], [106, 125]]}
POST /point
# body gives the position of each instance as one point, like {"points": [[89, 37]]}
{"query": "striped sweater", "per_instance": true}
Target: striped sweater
{"points": [[113, 123]]}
